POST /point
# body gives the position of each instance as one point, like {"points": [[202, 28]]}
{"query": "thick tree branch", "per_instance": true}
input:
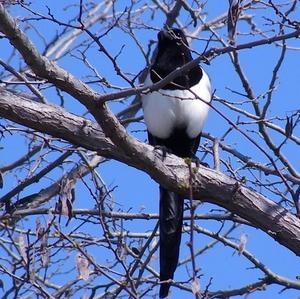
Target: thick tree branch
{"points": [[55, 121], [209, 185], [72, 204]]}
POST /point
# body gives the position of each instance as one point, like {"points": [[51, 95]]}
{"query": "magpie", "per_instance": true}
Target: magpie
{"points": [[174, 116]]}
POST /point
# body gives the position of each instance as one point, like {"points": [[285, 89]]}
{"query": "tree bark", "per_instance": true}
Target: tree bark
{"points": [[172, 173]]}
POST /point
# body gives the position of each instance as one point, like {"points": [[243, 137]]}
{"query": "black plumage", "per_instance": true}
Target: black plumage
{"points": [[174, 119]]}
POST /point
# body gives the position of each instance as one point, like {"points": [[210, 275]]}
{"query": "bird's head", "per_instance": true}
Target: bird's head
{"points": [[173, 49], [173, 52], [172, 37]]}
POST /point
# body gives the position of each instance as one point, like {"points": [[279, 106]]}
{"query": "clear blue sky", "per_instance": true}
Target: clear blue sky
{"points": [[135, 189]]}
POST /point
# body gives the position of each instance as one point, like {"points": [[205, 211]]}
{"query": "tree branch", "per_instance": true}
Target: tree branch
{"points": [[173, 173]]}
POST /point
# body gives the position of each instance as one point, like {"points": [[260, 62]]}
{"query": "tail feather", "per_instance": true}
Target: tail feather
{"points": [[171, 219]]}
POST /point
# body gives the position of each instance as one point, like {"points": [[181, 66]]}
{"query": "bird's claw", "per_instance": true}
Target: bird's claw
{"points": [[164, 151]]}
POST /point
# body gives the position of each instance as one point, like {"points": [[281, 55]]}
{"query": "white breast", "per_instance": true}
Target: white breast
{"points": [[166, 110]]}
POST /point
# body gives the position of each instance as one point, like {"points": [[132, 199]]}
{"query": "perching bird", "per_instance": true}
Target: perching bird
{"points": [[174, 116]]}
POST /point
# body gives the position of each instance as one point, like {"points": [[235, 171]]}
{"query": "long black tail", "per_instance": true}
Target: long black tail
{"points": [[170, 218]]}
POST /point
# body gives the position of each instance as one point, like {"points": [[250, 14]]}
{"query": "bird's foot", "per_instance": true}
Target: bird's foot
{"points": [[162, 151], [197, 161]]}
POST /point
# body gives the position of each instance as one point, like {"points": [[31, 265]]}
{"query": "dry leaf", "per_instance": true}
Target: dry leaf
{"points": [[242, 244], [195, 286], [66, 198], [39, 229], [82, 264], [45, 256], [289, 127], [22, 247], [121, 250], [42, 236]]}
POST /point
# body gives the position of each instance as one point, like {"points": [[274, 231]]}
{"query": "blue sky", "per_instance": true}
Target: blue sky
{"points": [[135, 189]]}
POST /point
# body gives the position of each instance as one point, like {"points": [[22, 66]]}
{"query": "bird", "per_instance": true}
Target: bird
{"points": [[174, 116]]}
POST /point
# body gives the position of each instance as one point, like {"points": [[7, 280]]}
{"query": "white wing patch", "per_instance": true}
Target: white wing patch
{"points": [[166, 110]]}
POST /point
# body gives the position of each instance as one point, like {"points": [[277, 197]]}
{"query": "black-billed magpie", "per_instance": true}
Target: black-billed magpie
{"points": [[174, 116]]}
